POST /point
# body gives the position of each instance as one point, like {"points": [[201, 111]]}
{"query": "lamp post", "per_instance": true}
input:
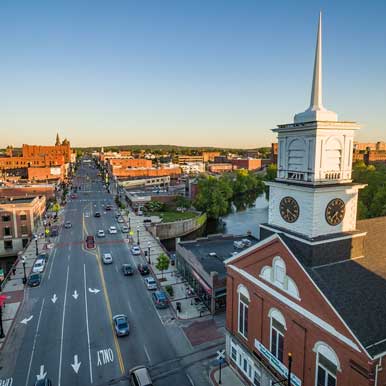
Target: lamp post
{"points": [[36, 245], [138, 235], [25, 276], [148, 251], [129, 223]]}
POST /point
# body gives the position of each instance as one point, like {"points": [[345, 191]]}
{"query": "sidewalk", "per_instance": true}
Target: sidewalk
{"points": [[228, 377], [191, 306], [13, 289]]}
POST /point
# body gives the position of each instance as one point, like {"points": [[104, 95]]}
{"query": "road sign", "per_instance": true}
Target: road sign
{"points": [[220, 354]]}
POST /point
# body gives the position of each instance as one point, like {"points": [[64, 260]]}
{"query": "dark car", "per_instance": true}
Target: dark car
{"points": [[54, 231], [34, 280], [67, 224], [160, 299], [143, 269], [97, 214], [121, 325], [43, 382], [127, 269], [109, 207], [90, 242]]}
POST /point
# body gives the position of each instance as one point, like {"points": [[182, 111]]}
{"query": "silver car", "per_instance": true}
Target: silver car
{"points": [[151, 284], [107, 258]]}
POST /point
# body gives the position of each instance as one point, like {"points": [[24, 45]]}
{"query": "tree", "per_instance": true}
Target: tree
{"points": [[271, 172], [56, 207], [162, 263], [182, 202]]}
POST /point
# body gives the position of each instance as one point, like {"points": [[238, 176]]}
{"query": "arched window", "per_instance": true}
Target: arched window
{"points": [[244, 300], [278, 328], [279, 270], [327, 365]]}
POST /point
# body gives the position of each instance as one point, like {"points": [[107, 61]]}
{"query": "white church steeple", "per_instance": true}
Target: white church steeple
{"points": [[316, 111]]}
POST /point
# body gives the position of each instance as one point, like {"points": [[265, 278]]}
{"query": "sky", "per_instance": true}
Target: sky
{"points": [[187, 72]]}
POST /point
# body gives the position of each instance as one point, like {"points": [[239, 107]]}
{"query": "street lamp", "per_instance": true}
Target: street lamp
{"points": [[129, 222], [148, 251], [138, 234], [25, 276], [36, 245]]}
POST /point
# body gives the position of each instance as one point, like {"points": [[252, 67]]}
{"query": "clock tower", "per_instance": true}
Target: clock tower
{"points": [[313, 198]]}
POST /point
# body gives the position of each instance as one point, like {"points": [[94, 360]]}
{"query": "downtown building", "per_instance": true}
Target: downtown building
{"points": [[312, 291]]}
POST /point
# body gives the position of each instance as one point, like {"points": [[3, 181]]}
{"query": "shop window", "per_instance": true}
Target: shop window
{"points": [[278, 328], [234, 353], [327, 365], [7, 231], [8, 244], [6, 218]]}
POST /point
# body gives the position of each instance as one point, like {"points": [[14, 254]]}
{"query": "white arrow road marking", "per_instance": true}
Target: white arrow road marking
{"points": [[94, 291], [26, 320], [54, 299], [76, 364], [42, 374], [75, 295]]}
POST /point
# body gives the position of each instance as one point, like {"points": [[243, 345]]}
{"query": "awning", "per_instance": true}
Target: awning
{"points": [[202, 282]]}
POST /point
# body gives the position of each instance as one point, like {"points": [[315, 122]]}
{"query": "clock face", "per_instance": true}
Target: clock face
{"points": [[335, 211], [289, 209]]}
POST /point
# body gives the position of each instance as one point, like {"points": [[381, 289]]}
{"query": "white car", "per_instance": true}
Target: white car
{"points": [[151, 284], [107, 258], [120, 220], [125, 229], [39, 266], [112, 230], [135, 250], [101, 233]]}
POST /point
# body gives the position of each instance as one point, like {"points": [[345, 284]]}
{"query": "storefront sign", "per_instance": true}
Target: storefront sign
{"points": [[202, 282], [276, 364]]}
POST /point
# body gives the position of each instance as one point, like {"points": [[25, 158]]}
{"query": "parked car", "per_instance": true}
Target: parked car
{"points": [[34, 280], [101, 233], [73, 196], [135, 250], [139, 376], [127, 269], [121, 325], [120, 220], [143, 269], [160, 299], [43, 255], [54, 231], [109, 207], [67, 224], [117, 214], [112, 230], [90, 242], [107, 258], [39, 266], [124, 229], [147, 220], [97, 214], [151, 284], [140, 213]]}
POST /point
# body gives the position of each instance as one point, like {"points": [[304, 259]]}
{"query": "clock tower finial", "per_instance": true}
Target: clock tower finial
{"points": [[316, 111]]}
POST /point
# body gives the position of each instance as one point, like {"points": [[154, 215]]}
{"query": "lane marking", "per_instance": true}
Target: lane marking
{"points": [[190, 379], [52, 263], [61, 338], [87, 328], [147, 354], [128, 303], [118, 349], [34, 344]]}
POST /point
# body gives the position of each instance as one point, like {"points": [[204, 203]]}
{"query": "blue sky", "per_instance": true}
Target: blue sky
{"points": [[188, 72]]}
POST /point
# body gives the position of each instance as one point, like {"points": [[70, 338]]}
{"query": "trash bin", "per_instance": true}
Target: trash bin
{"points": [[178, 306]]}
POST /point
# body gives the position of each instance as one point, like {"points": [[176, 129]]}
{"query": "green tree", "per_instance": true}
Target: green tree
{"points": [[163, 262], [271, 172], [182, 202], [56, 207]]}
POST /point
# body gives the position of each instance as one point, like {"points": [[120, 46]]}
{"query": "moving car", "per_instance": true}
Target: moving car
{"points": [[101, 233], [109, 207], [127, 269], [90, 242], [112, 230], [67, 224], [151, 284], [135, 250], [124, 229], [139, 376], [120, 220], [143, 269], [97, 214], [34, 280], [121, 325], [160, 299], [39, 266], [73, 195], [107, 258]]}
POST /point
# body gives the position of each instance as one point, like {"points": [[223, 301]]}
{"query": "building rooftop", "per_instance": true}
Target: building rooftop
{"points": [[211, 251], [16, 200]]}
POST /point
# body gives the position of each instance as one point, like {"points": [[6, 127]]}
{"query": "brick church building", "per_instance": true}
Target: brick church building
{"points": [[313, 290]]}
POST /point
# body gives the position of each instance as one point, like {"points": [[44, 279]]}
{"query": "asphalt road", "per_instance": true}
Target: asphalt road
{"points": [[64, 330]]}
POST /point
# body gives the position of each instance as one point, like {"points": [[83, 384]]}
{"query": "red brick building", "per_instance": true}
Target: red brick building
{"points": [[220, 168], [247, 163]]}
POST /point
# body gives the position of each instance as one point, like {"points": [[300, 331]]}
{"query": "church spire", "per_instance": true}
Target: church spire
{"points": [[316, 111], [57, 143]]}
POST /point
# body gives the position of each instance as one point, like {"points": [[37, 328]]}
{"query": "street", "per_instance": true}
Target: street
{"points": [[64, 330]]}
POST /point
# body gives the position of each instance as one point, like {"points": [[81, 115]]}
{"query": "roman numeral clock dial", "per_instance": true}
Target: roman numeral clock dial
{"points": [[335, 211], [289, 209]]}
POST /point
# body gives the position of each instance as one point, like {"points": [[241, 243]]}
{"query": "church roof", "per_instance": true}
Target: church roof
{"points": [[357, 288]]}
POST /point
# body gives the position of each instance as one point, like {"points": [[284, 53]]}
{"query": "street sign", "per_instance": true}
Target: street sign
{"points": [[220, 354]]}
